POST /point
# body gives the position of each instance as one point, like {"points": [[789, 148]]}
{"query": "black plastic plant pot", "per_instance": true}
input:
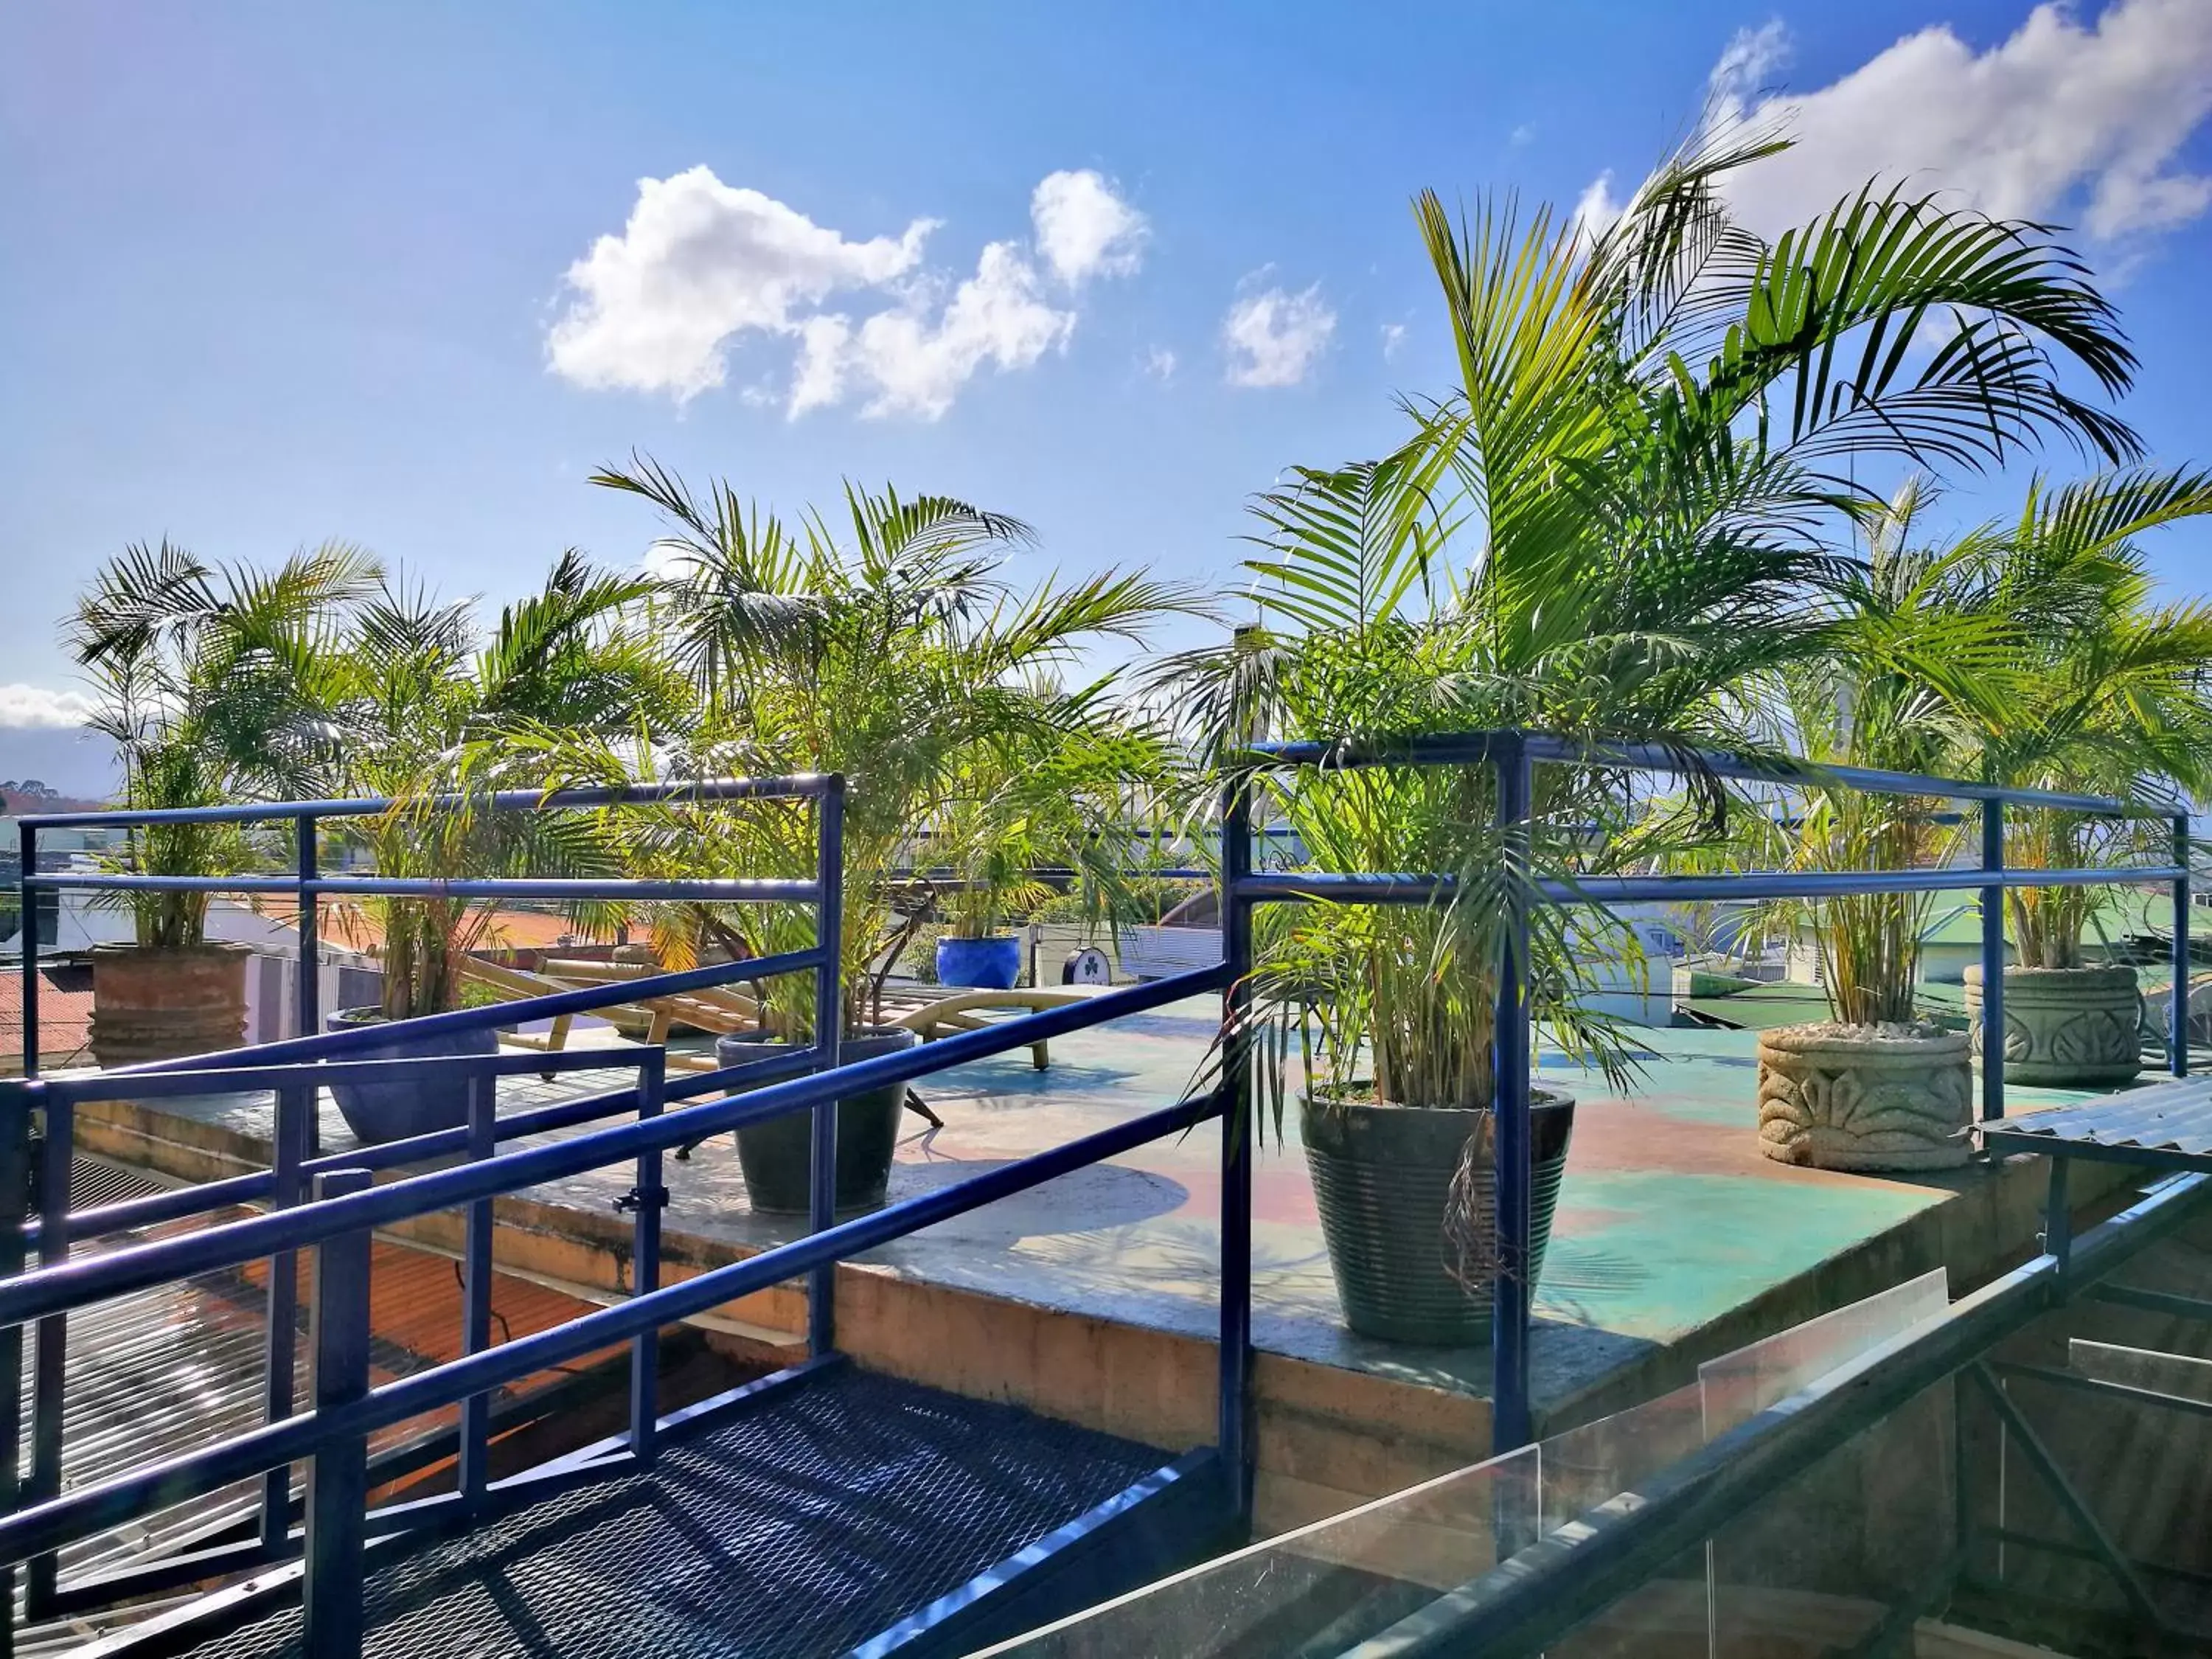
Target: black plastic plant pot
{"points": [[776, 1156], [428, 1099], [1382, 1180]]}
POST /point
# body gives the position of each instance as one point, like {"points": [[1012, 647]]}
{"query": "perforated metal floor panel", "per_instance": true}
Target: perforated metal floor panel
{"points": [[801, 1530]]}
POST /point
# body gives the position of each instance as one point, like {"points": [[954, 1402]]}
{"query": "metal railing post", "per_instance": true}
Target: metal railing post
{"points": [[1993, 962], [308, 990], [2176, 1041], [1513, 1138], [338, 1474], [296, 1110], [645, 1266], [26, 844], [475, 1290], [14, 1209], [1234, 1426], [50, 1368], [829, 1030]]}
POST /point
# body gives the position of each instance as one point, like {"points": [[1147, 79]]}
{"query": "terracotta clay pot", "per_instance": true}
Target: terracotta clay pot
{"points": [[152, 1004], [2071, 1027], [1864, 1097]]}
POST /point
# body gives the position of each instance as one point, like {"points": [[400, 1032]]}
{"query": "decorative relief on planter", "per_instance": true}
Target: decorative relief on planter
{"points": [[2066, 1025], [1864, 1097]]}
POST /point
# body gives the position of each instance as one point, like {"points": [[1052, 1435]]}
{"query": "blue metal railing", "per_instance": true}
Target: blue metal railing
{"points": [[345, 1209], [1512, 756], [37, 1518]]}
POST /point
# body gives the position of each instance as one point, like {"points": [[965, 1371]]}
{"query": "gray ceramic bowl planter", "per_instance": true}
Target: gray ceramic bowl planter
{"points": [[428, 1099], [1382, 1180]]}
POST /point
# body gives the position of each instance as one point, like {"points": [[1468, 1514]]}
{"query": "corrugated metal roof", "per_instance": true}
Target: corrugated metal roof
{"points": [[2170, 1118], [153, 1375]]}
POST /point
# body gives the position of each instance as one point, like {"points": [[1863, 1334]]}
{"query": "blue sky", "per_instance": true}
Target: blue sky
{"points": [[274, 273]]}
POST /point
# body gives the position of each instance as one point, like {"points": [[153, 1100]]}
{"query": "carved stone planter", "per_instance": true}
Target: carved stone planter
{"points": [[1864, 1097], [2073, 1027]]}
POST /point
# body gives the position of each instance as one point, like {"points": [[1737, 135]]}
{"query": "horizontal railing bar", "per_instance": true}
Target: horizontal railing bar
{"points": [[268, 1079], [1823, 884], [2104, 1387], [165, 1574], [119, 1272], [2032, 1541], [94, 1509], [799, 786], [1574, 1571], [154, 1208], [179, 1202], [734, 891], [2160, 1302], [1750, 884], [553, 1004], [539, 1119], [1469, 748]]}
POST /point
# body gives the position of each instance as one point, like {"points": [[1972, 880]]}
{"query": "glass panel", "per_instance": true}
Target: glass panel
{"points": [[1739, 1386], [2173, 1374], [1323, 1587], [1338, 1582]]}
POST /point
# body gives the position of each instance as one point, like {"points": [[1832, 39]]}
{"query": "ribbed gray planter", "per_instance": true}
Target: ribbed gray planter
{"points": [[1382, 1177], [2071, 1027], [777, 1156]]}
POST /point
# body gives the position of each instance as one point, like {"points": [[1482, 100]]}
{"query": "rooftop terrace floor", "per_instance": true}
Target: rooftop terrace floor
{"points": [[1670, 1221]]}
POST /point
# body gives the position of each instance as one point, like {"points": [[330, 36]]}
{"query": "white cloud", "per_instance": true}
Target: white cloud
{"points": [[1274, 337], [1521, 136], [1596, 210], [2078, 120], [1160, 363], [35, 707], [1749, 63], [1083, 229], [1394, 336], [699, 265], [914, 364]]}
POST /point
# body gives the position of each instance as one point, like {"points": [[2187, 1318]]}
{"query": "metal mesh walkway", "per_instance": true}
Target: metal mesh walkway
{"points": [[801, 1530]]}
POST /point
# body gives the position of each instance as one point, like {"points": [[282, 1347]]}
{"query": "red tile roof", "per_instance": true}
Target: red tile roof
{"points": [[64, 1015]]}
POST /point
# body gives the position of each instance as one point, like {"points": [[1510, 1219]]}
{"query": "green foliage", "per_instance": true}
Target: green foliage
{"points": [[890, 647], [437, 715], [1609, 529], [214, 684]]}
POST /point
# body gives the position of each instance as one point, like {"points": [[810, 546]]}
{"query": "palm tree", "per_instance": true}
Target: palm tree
{"points": [[1609, 526], [429, 705], [1911, 641], [215, 684], [2108, 690], [890, 647]]}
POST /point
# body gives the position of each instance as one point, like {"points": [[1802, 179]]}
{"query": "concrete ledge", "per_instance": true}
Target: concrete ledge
{"points": [[1329, 1435]]}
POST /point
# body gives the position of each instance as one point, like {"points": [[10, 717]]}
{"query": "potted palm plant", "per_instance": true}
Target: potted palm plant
{"points": [[1876, 1087], [896, 654], [2108, 694], [437, 716], [1608, 531], [1048, 800], [212, 687]]}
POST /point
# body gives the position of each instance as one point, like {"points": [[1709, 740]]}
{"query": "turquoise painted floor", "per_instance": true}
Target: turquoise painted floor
{"points": [[1670, 1218]]}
